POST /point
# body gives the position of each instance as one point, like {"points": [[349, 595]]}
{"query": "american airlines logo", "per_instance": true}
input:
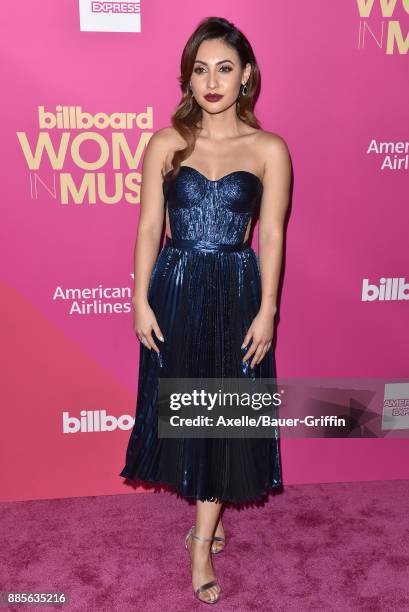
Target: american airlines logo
{"points": [[392, 155], [91, 421], [388, 289], [109, 16]]}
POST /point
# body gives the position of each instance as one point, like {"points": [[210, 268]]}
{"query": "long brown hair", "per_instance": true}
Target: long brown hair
{"points": [[188, 112]]}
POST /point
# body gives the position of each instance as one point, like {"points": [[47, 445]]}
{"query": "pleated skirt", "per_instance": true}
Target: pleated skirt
{"points": [[204, 302]]}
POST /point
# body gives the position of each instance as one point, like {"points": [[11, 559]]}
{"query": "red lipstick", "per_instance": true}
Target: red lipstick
{"points": [[213, 97]]}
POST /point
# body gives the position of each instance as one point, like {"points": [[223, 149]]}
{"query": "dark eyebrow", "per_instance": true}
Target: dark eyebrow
{"points": [[217, 63]]}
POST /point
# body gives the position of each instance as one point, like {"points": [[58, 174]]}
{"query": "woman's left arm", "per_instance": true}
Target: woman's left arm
{"points": [[274, 204]]}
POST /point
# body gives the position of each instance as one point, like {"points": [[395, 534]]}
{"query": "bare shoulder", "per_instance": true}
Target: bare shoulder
{"points": [[165, 142], [168, 138], [272, 144], [162, 138], [161, 144], [275, 154]]}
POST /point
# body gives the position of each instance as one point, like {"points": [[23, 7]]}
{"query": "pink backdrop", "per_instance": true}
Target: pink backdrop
{"points": [[330, 88]]}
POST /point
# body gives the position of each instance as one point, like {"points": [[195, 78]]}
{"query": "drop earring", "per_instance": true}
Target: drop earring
{"points": [[244, 89]]}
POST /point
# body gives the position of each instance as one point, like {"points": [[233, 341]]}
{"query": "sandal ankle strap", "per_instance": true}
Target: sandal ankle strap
{"points": [[219, 539], [202, 538]]}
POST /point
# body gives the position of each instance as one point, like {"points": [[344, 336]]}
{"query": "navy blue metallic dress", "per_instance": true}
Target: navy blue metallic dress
{"points": [[205, 290]]}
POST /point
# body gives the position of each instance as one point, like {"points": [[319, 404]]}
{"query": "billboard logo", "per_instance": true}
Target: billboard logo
{"points": [[389, 289], [95, 420]]}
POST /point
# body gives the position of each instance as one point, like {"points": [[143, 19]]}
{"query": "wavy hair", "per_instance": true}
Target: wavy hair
{"points": [[188, 113]]}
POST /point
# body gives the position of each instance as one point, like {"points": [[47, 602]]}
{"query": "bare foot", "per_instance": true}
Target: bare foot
{"points": [[202, 569]]}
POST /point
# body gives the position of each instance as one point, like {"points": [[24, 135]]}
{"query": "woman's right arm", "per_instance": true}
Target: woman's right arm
{"points": [[148, 235]]}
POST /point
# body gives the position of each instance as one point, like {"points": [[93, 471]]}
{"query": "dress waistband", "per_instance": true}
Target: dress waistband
{"points": [[205, 245]]}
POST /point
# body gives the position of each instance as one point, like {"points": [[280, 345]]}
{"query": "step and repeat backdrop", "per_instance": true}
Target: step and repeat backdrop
{"points": [[85, 85]]}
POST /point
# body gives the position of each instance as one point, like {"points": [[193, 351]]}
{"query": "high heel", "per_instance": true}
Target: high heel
{"points": [[207, 585]]}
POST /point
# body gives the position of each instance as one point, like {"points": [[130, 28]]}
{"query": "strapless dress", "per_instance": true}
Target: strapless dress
{"points": [[205, 290]]}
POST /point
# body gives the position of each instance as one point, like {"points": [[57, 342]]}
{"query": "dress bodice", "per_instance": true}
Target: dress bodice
{"points": [[215, 211]]}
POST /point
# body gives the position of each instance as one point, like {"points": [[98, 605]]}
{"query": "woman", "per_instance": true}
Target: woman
{"points": [[205, 306]]}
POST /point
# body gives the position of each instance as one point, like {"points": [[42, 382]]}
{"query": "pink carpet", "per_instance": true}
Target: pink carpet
{"points": [[312, 547]]}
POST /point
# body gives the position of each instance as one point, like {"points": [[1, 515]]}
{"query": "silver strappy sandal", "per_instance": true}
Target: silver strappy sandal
{"points": [[215, 550], [207, 585]]}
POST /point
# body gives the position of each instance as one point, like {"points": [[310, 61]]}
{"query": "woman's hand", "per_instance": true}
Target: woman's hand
{"points": [[261, 333], [144, 322]]}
